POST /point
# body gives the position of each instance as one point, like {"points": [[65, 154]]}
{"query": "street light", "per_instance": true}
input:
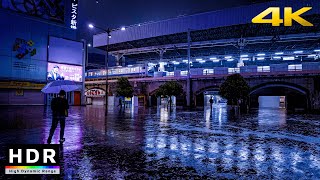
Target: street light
{"points": [[91, 26], [108, 31]]}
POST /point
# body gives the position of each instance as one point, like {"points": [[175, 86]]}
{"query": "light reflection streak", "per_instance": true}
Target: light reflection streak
{"points": [[259, 154], [214, 147], [208, 115], [233, 149], [315, 161], [173, 143], [161, 142], [150, 142], [164, 115], [220, 117]]}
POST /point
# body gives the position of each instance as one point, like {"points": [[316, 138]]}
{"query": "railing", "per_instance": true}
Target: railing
{"points": [[275, 73], [216, 76]]}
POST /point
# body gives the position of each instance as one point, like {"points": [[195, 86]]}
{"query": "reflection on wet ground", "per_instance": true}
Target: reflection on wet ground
{"points": [[159, 143]]}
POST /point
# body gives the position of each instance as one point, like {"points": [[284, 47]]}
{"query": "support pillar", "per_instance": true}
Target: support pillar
{"points": [[241, 44], [188, 93], [123, 61], [240, 62], [161, 63], [150, 101], [119, 60], [84, 65], [146, 68]]}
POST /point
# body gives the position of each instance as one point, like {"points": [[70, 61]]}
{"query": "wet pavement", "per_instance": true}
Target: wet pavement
{"points": [[156, 143]]}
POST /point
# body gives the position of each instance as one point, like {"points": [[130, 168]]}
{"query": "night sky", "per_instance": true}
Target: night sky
{"points": [[117, 13]]}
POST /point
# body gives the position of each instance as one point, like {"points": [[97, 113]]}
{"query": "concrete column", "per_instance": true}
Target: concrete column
{"points": [[146, 68], [118, 59], [188, 93], [111, 101], [161, 52], [150, 101], [161, 66], [135, 102], [240, 62], [241, 43], [84, 64], [123, 61]]}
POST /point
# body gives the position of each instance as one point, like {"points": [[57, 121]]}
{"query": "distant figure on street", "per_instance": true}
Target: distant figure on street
{"points": [[211, 102], [59, 107], [120, 103]]}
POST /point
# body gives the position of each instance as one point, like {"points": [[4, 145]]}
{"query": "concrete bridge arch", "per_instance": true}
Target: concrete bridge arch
{"points": [[199, 94], [154, 86], [303, 86], [297, 97]]}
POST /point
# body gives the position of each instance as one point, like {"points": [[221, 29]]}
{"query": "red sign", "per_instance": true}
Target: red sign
{"points": [[95, 93]]}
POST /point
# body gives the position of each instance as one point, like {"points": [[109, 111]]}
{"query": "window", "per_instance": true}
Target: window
{"points": [[184, 73], [207, 71], [233, 70], [295, 67], [170, 73], [263, 69]]}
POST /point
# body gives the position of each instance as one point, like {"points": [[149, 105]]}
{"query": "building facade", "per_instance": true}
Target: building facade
{"points": [[28, 32], [213, 45]]}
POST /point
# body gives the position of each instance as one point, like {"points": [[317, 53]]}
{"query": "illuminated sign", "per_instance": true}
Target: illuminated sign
{"points": [[289, 16], [95, 92], [58, 71], [74, 14]]}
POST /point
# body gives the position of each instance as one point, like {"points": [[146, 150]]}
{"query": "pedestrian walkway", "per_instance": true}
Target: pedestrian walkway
{"points": [[159, 143]]}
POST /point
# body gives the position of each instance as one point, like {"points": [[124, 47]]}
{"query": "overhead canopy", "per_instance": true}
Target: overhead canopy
{"points": [[212, 33]]}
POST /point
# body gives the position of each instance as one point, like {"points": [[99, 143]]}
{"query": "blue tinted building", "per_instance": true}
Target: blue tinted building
{"points": [[24, 47]]}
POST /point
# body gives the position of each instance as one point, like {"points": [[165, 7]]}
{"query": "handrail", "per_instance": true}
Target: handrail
{"points": [[244, 74]]}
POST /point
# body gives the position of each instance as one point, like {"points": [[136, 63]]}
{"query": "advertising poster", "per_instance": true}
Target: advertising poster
{"points": [[58, 71]]}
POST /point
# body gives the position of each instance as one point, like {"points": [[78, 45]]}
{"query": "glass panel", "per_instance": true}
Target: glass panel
{"points": [[295, 67], [263, 68], [170, 73], [184, 73]]}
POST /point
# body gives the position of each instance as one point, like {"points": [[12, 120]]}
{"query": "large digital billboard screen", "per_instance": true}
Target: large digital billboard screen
{"points": [[65, 51], [57, 71]]}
